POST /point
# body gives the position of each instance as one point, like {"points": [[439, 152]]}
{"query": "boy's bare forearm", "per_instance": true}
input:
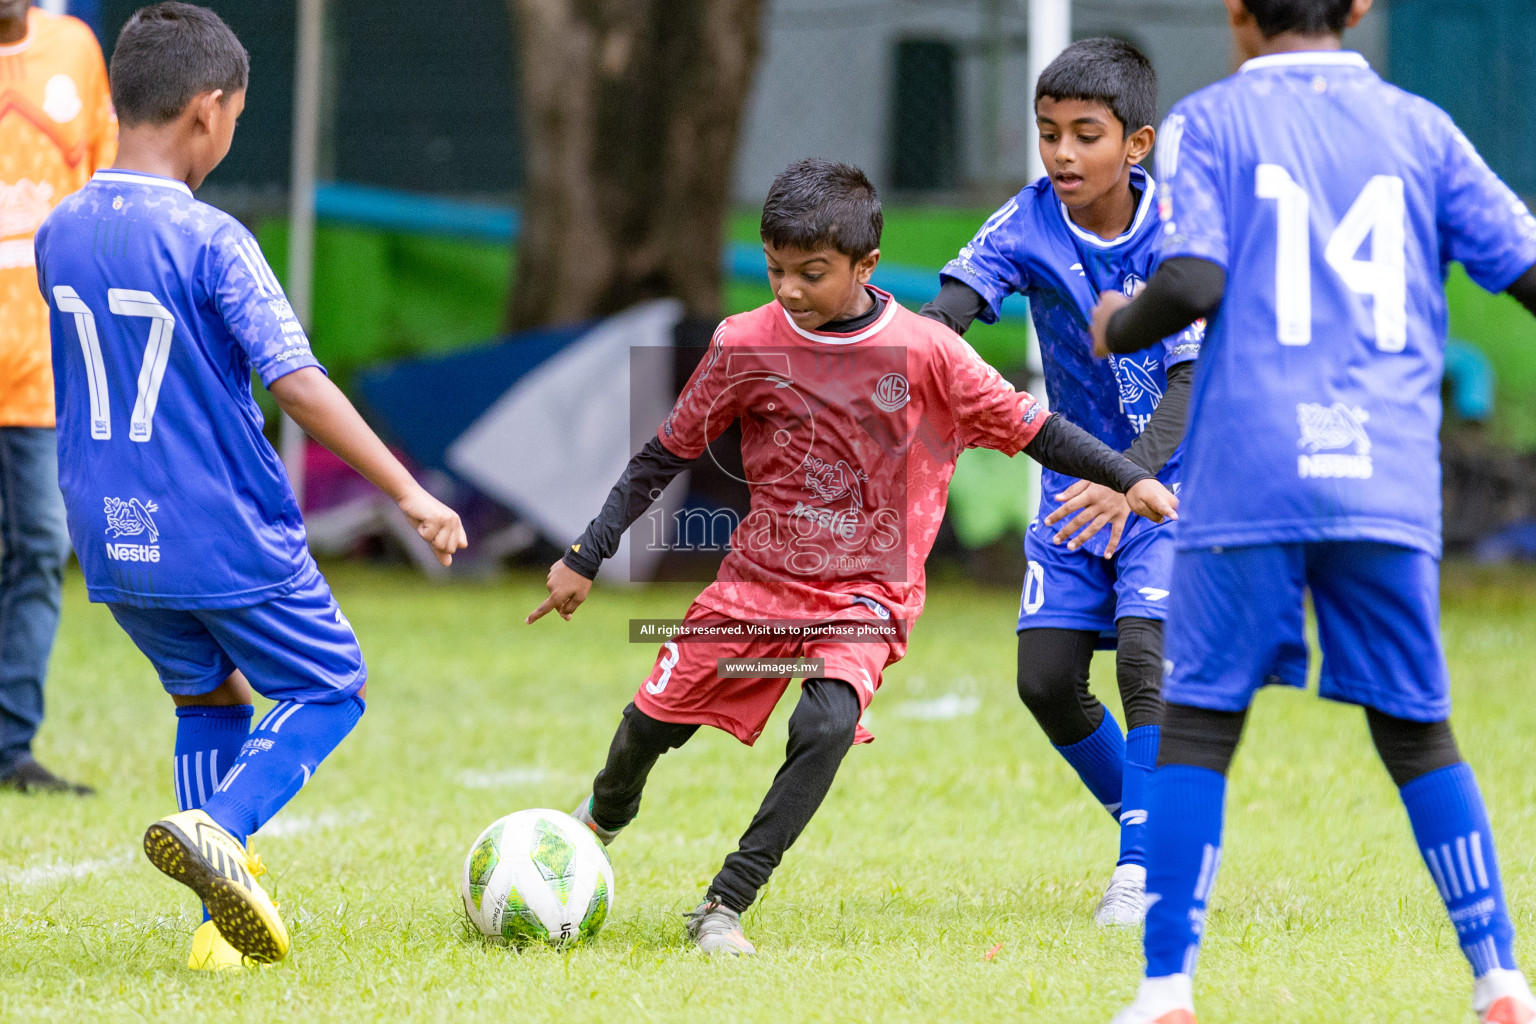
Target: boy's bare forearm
{"points": [[323, 411]]}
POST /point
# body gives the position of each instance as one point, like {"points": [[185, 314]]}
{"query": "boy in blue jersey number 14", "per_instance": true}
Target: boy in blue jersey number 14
{"points": [[179, 510], [1087, 227], [1310, 210]]}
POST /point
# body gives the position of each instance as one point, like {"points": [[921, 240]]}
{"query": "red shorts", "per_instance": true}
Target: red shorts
{"points": [[684, 685]]}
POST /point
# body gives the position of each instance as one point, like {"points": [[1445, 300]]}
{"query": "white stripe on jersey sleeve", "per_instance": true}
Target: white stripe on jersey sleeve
{"points": [[245, 257], [256, 263]]}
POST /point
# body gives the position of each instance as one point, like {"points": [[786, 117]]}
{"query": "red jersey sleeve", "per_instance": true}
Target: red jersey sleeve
{"points": [[706, 407], [988, 412]]}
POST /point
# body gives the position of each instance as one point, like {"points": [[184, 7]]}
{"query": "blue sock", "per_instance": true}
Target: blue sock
{"points": [[1450, 825], [208, 740], [278, 760], [1140, 759], [1100, 762], [1184, 810]]}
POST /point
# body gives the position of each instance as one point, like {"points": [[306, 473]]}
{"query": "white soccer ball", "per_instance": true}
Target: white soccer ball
{"points": [[538, 875]]}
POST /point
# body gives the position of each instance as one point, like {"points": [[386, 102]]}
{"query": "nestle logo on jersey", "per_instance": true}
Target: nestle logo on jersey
{"points": [[1325, 427], [130, 519], [133, 552]]}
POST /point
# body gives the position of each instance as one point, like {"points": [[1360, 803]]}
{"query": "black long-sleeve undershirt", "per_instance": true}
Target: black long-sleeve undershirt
{"points": [[1164, 431], [956, 306], [1524, 290], [1183, 290], [1067, 448], [649, 472]]}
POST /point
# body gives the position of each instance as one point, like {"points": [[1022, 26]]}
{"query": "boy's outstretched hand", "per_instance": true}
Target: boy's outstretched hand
{"points": [[1151, 499], [1110, 303], [435, 523], [567, 590], [1096, 506]]}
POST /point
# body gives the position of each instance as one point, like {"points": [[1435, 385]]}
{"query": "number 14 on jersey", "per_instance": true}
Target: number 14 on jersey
{"points": [[1378, 213]]}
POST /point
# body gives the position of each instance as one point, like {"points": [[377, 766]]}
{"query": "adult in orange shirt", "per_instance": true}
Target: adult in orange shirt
{"points": [[56, 129]]}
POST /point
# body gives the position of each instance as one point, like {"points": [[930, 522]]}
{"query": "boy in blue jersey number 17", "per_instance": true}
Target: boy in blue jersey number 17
{"points": [[179, 510], [1086, 227], [1310, 210]]}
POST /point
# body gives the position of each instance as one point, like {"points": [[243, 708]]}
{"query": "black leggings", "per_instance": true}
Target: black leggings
{"points": [[1208, 739], [820, 733], [1053, 677]]}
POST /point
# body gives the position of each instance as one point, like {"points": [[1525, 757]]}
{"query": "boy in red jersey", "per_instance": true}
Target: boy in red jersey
{"points": [[853, 412]]}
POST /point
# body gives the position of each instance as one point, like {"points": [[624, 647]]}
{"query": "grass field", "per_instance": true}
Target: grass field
{"points": [[950, 876]]}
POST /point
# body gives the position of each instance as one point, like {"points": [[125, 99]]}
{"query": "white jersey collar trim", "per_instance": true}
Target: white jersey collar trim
{"points": [[1307, 58], [12, 49], [1148, 202], [141, 178], [847, 339]]}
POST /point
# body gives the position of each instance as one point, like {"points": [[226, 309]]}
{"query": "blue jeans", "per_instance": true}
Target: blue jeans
{"points": [[36, 545]]}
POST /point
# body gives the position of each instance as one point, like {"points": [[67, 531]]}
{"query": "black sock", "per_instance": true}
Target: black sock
{"points": [[820, 733], [639, 741]]}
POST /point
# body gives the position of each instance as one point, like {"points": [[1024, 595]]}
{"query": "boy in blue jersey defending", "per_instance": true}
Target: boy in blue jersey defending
{"points": [[1310, 210], [1087, 227], [179, 510]]}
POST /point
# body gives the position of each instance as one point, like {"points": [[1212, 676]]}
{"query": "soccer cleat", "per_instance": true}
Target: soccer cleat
{"points": [[716, 928], [1125, 901], [31, 777], [1503, 997], [583, 814], [1168, 1000], [212, 952], [191, 848]]}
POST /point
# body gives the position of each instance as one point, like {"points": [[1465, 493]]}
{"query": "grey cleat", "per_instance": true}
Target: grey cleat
{"points": [[583, 814], [716, 928], [1125, 901]]}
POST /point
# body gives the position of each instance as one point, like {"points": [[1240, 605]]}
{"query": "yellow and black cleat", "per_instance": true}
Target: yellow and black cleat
{"points": [[191, 848], [212, 952]]}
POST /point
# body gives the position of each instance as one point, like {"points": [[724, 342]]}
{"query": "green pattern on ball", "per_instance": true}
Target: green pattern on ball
{"points": [[482, 862], [554, 856], [518, 922], [597, 910]]}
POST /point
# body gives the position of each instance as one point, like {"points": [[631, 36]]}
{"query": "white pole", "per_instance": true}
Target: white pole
{"points": [[301, 212], [992, 92], [1050, 32]]}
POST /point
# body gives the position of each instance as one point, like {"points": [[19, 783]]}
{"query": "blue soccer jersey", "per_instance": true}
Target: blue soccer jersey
{"points": [[162, 307], [1335, 201], [1031, 246]]}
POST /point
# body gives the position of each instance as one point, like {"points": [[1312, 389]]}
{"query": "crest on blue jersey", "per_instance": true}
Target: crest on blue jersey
{"points": [[1137, 381], [131, 518], [1330, 427]]}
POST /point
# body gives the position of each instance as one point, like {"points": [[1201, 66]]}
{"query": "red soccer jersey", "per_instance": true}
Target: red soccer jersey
{"points": [[848, 442]]}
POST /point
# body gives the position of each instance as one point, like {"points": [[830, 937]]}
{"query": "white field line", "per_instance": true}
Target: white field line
{"points": [[52, 871], [506, 778], [62, 871], [940, 709], [299, 824]]}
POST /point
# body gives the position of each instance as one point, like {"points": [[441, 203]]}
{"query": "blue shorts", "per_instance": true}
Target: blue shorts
{"points": [[1079, 590], [1237, 622], [296, 647]]}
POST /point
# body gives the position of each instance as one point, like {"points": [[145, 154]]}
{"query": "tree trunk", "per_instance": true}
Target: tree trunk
{"points": [[631, 112]]}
